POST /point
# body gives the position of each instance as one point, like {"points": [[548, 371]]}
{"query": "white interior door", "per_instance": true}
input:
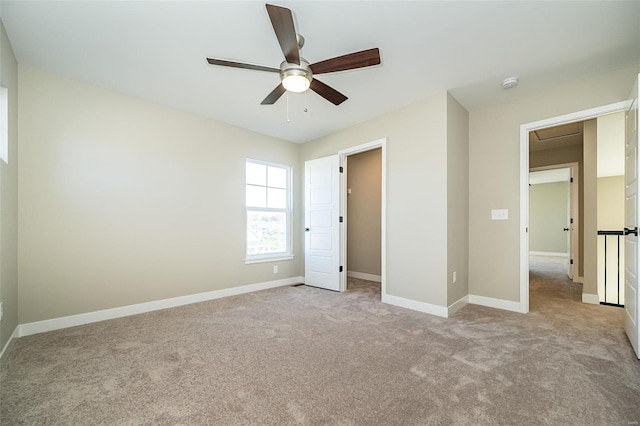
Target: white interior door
{"points": [[322, 223], [631, 223]]}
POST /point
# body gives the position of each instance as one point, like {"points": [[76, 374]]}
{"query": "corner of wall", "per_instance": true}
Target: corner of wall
{"points": [[457, 201], [9, 198]]}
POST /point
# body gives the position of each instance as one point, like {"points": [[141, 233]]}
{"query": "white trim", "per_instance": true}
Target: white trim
{"points": [[590, 298], [548, 253], [414, 305], [490, 302], [9, 344], [524, 181], [90, 317], [279, 258], [343, 153], [364, 276], [577, 279], [457, 305]]}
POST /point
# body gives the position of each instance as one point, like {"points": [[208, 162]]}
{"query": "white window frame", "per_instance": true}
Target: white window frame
{"points": [[271, 257]]}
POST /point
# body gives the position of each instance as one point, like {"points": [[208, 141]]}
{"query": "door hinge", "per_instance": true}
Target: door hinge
{"points": [[341, 169], [571, 261], [340, 219], [341, 269], [571, 180], [571, 220]]}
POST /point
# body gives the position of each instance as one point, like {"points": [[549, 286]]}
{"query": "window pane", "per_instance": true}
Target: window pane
{"points": [[266, 232], [256, 174], [256, 196], [277, 198], [277, 177]]}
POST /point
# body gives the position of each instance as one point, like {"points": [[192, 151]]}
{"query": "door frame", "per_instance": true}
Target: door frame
{"points": [[343, 154], [587, 114], [574, 194]]}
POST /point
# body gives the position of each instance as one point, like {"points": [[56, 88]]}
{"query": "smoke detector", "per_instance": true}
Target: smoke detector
{"points": [[510, 82]]}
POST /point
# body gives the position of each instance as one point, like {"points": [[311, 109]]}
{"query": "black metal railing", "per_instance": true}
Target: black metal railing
{"points": [[609, 235]]}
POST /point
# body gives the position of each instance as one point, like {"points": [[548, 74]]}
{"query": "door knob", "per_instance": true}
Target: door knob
{"points": [[565, 229]]}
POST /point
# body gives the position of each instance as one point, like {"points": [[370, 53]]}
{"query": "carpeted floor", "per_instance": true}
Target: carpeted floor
{"points": [[300, 355]]}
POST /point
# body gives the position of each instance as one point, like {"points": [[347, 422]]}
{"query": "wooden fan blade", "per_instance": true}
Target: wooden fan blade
{"points": [[327, 92], [282, 21], [232, 64], [274, 95], [365, 58]]}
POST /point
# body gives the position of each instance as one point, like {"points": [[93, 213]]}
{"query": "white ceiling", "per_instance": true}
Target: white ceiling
{"points": [[156, 51]]}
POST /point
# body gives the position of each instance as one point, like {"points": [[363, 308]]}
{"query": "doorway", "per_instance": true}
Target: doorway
{"points": [[363, 234], [364, 193], [554, 216], [590, 250]]}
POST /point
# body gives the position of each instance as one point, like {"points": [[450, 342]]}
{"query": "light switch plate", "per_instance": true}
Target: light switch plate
{"points": [[500, 214]]}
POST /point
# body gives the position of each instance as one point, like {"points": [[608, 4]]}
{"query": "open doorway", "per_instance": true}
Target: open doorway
{"points": [[588, 206], [553, 216], [364, 218], [363, 207]]}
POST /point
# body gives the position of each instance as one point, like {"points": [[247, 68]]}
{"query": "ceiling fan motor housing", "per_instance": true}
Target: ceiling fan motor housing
{"points": [[296, 78]]}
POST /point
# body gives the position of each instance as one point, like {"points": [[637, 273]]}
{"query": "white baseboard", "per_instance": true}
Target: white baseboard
{"points": [[490, 302], [427, 308], [90, 317], [548, 253], [364, 276], [457, 305], [9, 344], [590, 298]]}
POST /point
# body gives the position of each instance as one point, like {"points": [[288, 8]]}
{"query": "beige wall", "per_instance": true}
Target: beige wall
{"points": [[494, 174], [548, 217], [416, 193], [9, 197], [457, 200], [123, 201], [590, 185], [611, 200], [364, 179]]}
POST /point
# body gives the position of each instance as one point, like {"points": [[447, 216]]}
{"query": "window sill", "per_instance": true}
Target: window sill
{"points": [[277, 258]]}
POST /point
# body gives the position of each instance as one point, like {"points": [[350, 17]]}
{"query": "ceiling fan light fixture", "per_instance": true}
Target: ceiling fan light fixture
{"points": [[296, 81]]}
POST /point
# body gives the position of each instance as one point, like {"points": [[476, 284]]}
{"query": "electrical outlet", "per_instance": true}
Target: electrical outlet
{"points": [[275, 269], [455, 277]]}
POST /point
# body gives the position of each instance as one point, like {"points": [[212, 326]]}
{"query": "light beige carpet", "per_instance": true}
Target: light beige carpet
{"points": [[300, 355]]}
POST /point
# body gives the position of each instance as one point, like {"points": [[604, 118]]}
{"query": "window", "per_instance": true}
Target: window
{"points": [[4, 124], [268, 204]]}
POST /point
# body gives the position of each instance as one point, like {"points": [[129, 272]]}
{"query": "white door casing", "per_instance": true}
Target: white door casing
{"points": [[322, 223], [631, 222], [573, 214]]}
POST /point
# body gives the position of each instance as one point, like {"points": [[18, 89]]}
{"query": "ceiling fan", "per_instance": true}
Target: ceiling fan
{"points": [[296, 74]]}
